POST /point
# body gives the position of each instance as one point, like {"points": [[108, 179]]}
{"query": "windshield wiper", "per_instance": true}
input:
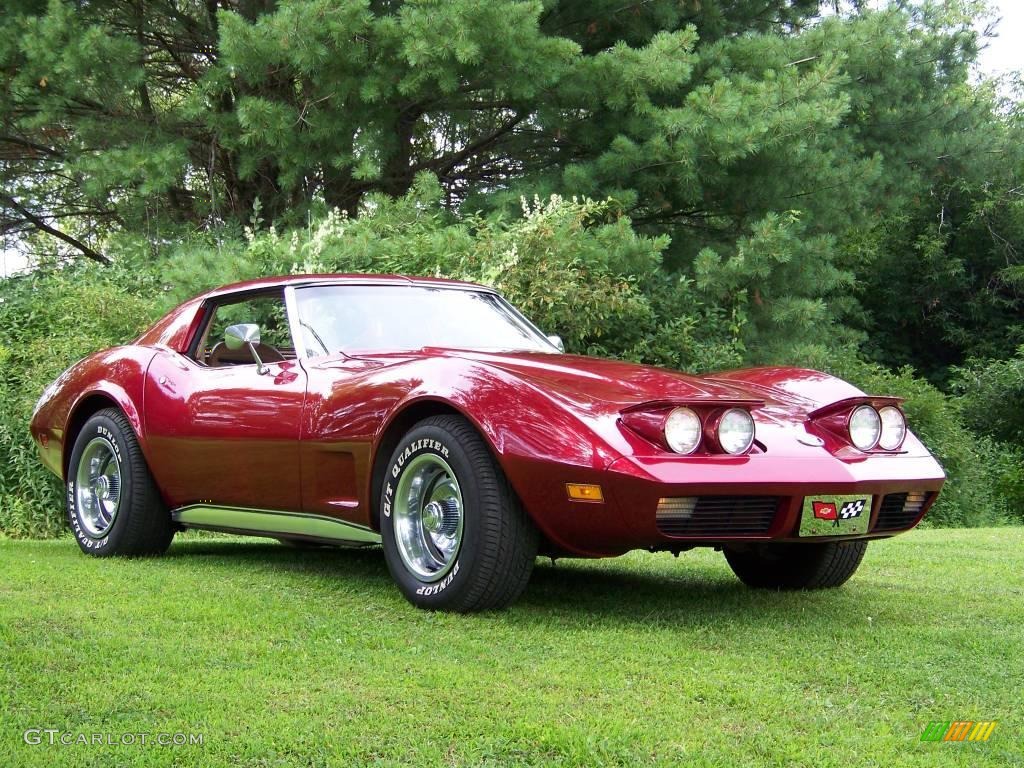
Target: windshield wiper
{"points": [[316, 336]]}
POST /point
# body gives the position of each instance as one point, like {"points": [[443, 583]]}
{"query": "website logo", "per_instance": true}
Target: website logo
{"points": [[959, 730]]}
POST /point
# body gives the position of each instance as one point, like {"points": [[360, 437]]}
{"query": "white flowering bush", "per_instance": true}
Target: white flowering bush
{"points": [[575, 266]]}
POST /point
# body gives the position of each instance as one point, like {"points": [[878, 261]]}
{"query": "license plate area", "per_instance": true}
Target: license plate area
{"points": [[831, 515]]}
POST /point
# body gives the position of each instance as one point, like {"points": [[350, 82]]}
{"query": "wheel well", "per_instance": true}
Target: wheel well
{"points": [[401, 424], [83, 411]]}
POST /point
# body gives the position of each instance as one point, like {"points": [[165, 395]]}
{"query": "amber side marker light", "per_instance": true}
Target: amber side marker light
{"points": [[583, 492]]}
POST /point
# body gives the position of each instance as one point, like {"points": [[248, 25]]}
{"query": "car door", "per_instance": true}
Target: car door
{"points": [[344, 409], [223, 429]]}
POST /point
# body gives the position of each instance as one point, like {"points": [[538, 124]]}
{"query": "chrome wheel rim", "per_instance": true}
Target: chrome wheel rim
{"points": [[98, 487], [428, 517]]}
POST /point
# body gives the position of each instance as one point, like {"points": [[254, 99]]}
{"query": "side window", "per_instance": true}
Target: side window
{"points": [[265, 310]]}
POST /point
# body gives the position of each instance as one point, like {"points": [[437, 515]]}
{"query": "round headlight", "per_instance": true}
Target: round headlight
{"points": [[736, 431], [894, 427], [683, 430], [865, 427]]}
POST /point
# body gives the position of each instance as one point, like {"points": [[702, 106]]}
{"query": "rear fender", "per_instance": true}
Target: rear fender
{"points": [[111, 378]]}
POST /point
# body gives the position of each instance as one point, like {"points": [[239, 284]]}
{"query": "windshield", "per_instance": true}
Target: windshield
{"points": [[374, 318]]}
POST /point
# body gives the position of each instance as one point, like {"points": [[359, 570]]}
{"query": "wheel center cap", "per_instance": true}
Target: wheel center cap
{"points": [[103, 487], [433, 516], [441, 517]]}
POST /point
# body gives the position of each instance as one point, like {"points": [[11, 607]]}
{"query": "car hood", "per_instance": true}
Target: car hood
{"points": [[599, 384]]}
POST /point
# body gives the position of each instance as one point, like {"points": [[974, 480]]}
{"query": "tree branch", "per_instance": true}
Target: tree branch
{"points": [[41, 225], [40, 148], [443, 165]]}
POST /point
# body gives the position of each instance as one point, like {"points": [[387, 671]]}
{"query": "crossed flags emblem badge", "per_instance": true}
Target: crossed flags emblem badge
{"points": [[828, 510]]}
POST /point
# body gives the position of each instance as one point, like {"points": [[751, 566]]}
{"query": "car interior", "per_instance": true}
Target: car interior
{"points": [[267, 311]]}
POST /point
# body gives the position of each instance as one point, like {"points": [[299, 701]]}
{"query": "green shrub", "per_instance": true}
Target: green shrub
{"points": [[48, 320], [1005, 462], [991, 395]]}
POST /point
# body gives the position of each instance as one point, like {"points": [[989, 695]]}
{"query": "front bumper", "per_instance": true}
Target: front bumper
{"points": [[740, 499], [639, 487]]}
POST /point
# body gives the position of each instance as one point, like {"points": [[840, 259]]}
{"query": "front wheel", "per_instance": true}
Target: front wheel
{"points": [[455, 536], [113, 505], [797, 566]]}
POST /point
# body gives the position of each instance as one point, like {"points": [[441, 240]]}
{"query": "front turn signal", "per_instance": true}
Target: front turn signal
{"points": [[584, 492]]}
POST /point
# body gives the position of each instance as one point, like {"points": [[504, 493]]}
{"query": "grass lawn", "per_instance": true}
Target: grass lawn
{"points": [[286, 657]]}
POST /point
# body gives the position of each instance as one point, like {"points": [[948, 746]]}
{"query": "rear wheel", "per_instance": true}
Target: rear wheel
{"points": [[455, 536], [113, 505], [797, 566]]}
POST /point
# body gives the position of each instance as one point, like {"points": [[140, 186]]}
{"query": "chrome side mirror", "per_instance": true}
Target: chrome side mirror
{"points": [[241, 335], [557, 342], [245, 335]]}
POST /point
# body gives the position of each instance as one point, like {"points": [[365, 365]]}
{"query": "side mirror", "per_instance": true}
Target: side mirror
{"points": [[556, 341], [241, 335], [245, 335]]}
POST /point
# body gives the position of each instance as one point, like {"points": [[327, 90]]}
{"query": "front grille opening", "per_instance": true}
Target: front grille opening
{"points": [[899, 510], [716, 515]]}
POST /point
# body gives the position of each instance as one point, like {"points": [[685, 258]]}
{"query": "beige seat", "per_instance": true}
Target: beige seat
{"points": [[220, 355]]}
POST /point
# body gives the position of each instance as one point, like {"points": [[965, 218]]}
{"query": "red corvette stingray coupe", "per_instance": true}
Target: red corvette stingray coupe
{"points": [[432, 417]]}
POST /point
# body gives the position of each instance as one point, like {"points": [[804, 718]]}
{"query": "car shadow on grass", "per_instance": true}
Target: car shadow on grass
{"points": [[356, 563], [687, 597], [608, 592]]}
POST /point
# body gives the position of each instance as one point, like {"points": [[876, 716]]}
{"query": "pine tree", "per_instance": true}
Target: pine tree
{"points": [[771, 144]]}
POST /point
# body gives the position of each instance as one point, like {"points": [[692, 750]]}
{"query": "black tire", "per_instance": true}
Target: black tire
{"points": [[492, 563], [797, 566], [140, 523]]}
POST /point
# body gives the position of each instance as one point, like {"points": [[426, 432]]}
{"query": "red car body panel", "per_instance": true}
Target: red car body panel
{"points": [[116, 376], [202, 429], [308, 435]]}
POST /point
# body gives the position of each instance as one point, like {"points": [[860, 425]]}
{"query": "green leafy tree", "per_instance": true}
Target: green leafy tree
{"points": [[946, 281], [191, 110], [749, 132]]}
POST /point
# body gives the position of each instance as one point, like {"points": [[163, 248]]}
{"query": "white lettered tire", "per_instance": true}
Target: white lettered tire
{"points": [[113, 506], [455, 535]]}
